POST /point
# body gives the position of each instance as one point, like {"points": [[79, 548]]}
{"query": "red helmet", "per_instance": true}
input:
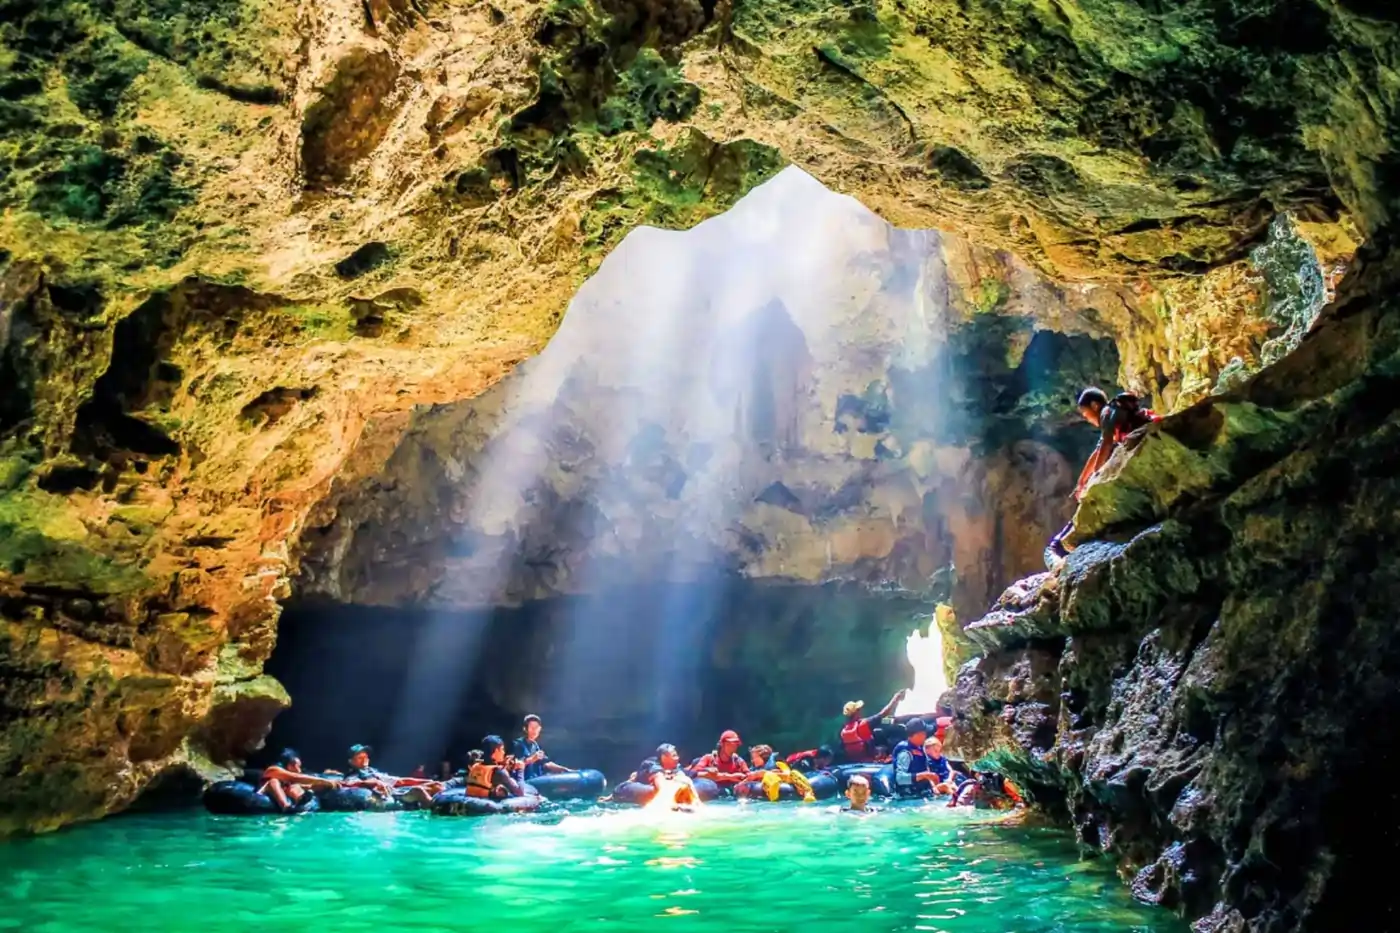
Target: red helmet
{"points": [[729, 735]]}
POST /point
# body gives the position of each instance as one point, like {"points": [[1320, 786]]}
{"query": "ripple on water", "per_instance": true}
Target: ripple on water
{"points": [[736, 867]]}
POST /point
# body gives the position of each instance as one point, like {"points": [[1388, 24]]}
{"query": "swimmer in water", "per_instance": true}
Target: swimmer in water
{"points": [[858, 793]]}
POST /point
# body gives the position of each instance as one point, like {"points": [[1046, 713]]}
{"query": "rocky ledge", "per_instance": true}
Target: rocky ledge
{"points": [[1208, 687]]}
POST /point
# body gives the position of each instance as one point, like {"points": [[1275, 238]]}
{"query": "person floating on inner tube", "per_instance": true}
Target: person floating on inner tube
{"points": [[723, 765], [947, 779], [285, 784], [528, 753], [411, 789], [1115, 420], [664, 773], [987, 791], [858, 734], [812, 760], [491, 777], [912, 774], [772, 774]]}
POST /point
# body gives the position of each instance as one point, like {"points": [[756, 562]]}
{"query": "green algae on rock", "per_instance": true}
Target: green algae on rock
{"points": [[1211, 695]]}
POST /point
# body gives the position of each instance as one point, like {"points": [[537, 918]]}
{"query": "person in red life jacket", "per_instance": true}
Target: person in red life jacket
{"points": [[814, 759], [723, 765], [1115, 419], [987, 791], [858, 734]]}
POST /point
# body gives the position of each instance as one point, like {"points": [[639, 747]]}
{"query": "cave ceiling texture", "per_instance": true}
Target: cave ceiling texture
{"points": [[251, 251]]}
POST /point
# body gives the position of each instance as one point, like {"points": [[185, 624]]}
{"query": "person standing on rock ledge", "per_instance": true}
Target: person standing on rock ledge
{"points": [[1115, 419]]}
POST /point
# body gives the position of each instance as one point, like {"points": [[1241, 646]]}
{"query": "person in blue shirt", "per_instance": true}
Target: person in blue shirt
{"points": [[912, 777], [527, 752]]}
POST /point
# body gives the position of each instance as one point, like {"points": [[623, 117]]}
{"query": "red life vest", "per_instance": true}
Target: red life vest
{"points": [[943, 723], [856, 737]]}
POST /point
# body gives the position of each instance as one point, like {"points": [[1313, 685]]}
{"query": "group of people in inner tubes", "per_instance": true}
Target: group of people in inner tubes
{"points": [[874, 756]]}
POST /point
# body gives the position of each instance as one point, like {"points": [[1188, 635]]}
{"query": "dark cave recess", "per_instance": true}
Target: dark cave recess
{"points": [[612, 674]]}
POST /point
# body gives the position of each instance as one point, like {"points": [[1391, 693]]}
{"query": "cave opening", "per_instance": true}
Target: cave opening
{"points": [[754, 458]]}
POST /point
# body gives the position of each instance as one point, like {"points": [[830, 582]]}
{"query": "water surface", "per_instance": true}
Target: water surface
{"points": [[731, 868]]}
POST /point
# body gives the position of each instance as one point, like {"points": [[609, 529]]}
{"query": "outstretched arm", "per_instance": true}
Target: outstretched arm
{"points": [[889, 707], [296, 777]]}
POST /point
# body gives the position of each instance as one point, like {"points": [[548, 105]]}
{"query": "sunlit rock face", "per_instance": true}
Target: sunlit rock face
{"points": [[795, 391], [1207, 690]]}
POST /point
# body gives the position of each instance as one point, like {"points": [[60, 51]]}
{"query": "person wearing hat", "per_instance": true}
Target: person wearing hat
{"points": [[723, 765], [858, 734], [912, 775], [419, 790]]}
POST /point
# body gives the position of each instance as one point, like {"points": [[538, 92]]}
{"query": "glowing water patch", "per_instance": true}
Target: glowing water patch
{"points": [[925, 653]]}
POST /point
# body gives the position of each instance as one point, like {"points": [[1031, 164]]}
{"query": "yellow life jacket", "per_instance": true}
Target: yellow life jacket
{"points": [[479, 780]]}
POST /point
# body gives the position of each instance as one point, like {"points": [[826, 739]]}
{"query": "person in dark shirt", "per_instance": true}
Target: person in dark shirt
{"points": [[664, 773], [1115, 419], [417, 790], [530, 756], [912, 777]]}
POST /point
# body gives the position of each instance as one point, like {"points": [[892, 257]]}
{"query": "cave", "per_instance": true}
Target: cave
{"points": [[397, 342]]}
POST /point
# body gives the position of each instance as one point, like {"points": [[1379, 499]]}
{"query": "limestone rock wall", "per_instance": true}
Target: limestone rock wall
{"points": [[1207, 687]]}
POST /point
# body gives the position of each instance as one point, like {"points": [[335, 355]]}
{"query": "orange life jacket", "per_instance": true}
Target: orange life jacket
{"points": [[856, 737], [480, 781]]}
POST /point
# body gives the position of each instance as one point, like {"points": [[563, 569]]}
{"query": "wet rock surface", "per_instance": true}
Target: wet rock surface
{"points": [[1208, 698]]}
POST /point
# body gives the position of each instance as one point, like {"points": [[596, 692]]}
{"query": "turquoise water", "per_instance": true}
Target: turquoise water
{"points": [[730, 868]]}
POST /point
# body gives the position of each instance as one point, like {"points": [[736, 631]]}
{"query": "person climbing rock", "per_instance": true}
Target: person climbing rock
{"points": [[285, 784], [858, 734], [1115, 419], [812, 760], [528, 753], [723, 765], [491, 777], [912, 776]]}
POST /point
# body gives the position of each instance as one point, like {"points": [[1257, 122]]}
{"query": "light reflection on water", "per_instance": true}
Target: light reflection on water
{"points": [[739, 868]]}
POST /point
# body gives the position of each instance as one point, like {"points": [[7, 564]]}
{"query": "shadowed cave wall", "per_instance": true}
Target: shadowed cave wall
{"points": [[612, 673]]}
